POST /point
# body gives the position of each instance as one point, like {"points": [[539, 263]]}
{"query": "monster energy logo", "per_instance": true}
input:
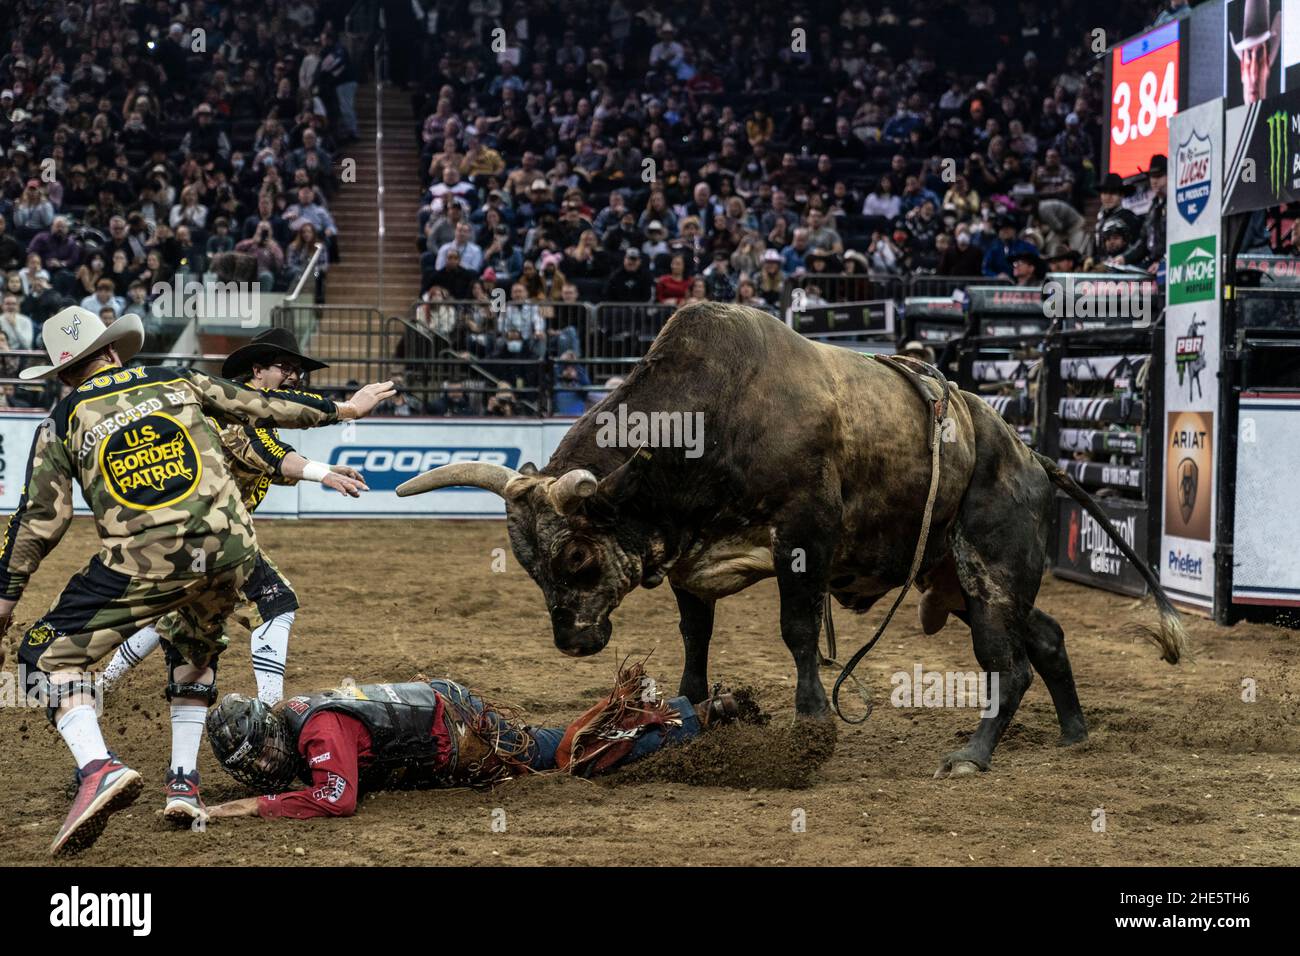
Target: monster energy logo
{"points": [[1277, 150]]}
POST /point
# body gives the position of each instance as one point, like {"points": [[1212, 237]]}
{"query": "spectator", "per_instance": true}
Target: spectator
{"points": [[670, 288], [882, 200], [471, 255], [1112, 191], [997, 259], [962, 258], [1027, 268], [1053, 179], [15, 326], [630, 283], [102, 298], [299, 256], [12, 252], [403, 403], [793, 257], [268, 252], [33, 213], [308, 210], [718, 282], [58, 251], [454, 277], [205, 140], [571, 385]]}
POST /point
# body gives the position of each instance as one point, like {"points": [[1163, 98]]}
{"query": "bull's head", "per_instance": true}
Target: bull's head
{"points": [[570, 534]]}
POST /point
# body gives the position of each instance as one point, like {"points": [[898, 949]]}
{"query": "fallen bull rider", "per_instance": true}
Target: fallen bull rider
{"points": [[429, 734]]}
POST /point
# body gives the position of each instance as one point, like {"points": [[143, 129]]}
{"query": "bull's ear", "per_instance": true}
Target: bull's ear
{"points": [[624, 481], [528, 468]]}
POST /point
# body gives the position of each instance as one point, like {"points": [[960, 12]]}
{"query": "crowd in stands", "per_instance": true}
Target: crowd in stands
{"points": [[655, 152], [139, 141]]}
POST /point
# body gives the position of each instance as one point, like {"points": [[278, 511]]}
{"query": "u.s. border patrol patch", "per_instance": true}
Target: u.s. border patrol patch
{"points": [[151, 464]]}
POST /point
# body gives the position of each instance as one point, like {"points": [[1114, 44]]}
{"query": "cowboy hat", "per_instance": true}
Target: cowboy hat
{"points": [[74, 333], [1061, 251], [264, 348], [1113, 183], [1255, 29]]}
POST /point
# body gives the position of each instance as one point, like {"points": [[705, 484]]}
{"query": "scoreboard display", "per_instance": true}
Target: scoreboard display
{"points": [[1145, 80]]}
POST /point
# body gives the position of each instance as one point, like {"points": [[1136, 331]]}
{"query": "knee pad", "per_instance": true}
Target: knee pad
{"points": [[56, 693], [207, 691]]}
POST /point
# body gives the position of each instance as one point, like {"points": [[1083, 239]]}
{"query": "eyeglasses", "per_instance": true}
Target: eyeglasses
{"points": [[288, 368]]}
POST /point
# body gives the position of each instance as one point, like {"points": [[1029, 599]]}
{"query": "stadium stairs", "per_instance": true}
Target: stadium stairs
{"points": [[353, 333]]}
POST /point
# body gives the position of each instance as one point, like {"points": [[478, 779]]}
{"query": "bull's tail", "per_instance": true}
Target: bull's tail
{"points": [[1170, 637]]}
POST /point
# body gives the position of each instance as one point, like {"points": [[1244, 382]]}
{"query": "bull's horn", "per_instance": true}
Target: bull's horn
{"points": [[477, 474], [568, 491]]}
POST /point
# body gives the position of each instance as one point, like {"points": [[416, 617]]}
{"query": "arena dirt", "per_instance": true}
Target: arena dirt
{"points": [[1184, 770]]}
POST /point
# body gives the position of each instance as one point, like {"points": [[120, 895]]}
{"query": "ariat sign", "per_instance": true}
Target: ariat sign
{"points": [[1192, 270]]}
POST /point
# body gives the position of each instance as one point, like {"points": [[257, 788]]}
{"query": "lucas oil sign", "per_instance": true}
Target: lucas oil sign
{"points": [[150, 465]]}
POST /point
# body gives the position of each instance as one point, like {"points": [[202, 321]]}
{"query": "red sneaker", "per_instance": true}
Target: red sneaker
{"points": [[184, 805], [105, 786]]}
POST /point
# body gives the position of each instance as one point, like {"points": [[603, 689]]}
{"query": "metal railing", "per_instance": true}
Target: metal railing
{"points": [[312, 269], [381, 76]]}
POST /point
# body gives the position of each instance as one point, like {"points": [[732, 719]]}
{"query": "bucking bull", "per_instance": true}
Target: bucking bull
{"points": [[815, 468]]}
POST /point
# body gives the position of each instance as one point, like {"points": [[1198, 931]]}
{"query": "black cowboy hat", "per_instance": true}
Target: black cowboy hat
{"points": [[1114, 184], [1061, 251], [1159, 165], [265, 348], [1034, 260]]}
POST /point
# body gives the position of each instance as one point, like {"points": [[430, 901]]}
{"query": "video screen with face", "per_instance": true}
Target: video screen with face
{"points": [[1253, 38]]}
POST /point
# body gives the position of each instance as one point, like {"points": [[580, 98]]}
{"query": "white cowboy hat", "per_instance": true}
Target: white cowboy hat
{"points": [[1257, 29], [75, 333]]}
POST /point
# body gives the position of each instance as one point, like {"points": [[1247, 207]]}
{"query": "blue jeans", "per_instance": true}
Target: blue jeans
{"points": [[547, 739], [347, 94]]}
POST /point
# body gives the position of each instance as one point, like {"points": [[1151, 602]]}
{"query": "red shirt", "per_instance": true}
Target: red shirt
{"points": [[336, 747]]}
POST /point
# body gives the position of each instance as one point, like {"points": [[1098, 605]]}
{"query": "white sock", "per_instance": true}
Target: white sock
{"points": [[270, 650], [187, 734], [129, 653], [79, 728]]}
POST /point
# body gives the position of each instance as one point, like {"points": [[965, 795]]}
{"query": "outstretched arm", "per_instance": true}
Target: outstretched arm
{"points": [[232, 403], [43, 515]]}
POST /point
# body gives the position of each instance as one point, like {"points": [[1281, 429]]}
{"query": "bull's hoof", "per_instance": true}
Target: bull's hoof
{"points": [[1070, 738], [960, 764]]}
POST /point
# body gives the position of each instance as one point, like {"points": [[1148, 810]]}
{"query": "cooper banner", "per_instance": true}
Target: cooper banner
{"points": [[1192, 335]]}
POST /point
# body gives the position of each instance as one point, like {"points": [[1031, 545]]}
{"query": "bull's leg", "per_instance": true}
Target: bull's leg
{"points": [[1000, 650], [1046, 647], [696, 625], [802, 560]]}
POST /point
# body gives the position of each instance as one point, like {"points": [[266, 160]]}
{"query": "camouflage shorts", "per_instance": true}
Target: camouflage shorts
{"points": [[267, 594], [100, 608]]}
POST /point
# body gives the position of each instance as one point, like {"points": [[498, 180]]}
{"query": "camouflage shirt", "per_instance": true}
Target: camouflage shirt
{"points": [[255, 455], [151, 467]]}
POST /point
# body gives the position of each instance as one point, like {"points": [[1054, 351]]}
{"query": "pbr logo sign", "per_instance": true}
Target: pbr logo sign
{"points": [[1190, 358], [1192, 270], [387, 467], [1195, 171]]}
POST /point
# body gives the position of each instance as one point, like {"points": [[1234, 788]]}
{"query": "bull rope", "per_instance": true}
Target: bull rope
{"points": [[904, 366]]}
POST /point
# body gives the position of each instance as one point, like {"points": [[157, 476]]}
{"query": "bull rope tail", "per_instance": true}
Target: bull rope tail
{"points": [[936, 435]]}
